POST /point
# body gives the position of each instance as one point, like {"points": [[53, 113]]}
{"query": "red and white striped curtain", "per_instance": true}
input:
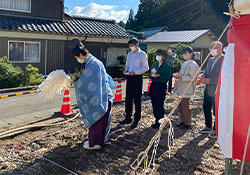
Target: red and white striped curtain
{"points": [[232, 103]]}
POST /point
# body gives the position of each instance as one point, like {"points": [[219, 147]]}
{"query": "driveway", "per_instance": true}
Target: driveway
{"points": [[25, 108]]}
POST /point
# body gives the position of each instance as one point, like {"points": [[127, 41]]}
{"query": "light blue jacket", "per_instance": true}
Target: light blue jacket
{"points": [[93, 91]]}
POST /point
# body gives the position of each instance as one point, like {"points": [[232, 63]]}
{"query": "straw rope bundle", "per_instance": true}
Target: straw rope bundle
{"points": [[143, 156], [54, 84]]}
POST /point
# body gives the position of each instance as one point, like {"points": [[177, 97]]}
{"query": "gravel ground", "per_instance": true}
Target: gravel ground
{"points": [[191, 152]]}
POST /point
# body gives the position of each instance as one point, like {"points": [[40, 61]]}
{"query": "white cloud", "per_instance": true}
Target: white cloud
{"points": [[125, 6], [100, 11]]}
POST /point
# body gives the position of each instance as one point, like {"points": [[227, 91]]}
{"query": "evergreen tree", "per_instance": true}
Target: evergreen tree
{"points": [[122, 24], [130, 22], [180, 15]]}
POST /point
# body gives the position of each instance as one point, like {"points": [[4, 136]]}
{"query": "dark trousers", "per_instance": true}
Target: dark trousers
{"points": [[157, 93], [97, 131], [185, 111], [133, 92], [208, 104], [170, 81]]}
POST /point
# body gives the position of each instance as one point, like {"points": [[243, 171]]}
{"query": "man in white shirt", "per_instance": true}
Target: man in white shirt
{"points": [[136, 65]]}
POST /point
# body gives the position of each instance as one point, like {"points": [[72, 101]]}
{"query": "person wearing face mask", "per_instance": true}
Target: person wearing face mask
{"points": [[160, 74], [94, 96], [185, 76], [170, 60], [136, 65], [210, 79]]}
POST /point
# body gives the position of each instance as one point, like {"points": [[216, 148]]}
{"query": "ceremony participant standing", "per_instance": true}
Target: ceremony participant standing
{"points": [[170, 60], [136, 65], [94, 96], [160, 74], [210, 79], [185, 76]]}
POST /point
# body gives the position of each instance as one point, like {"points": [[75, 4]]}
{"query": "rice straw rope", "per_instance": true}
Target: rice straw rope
{"points": [[143, 156]]}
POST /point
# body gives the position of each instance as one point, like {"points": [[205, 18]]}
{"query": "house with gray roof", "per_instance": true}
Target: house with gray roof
{"points": [[199, 40], [151, 31], [37, 32]]}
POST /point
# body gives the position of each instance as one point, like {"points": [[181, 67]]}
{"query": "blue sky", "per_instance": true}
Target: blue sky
{"points": [[107, 9]]}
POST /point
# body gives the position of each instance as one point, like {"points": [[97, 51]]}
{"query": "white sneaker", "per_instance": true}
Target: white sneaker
{"points": [[205, 130], [86, 142], [91, 148], [212, 134]]}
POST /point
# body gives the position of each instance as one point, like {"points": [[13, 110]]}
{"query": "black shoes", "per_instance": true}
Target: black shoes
{"points": [[180, 124], [125, 121], [186, 126], [134, 125], [156, 125]]}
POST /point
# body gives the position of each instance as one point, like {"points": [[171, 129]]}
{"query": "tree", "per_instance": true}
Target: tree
{"points": [[122, 24], [146, 10], [130, 21], [181, 15]]}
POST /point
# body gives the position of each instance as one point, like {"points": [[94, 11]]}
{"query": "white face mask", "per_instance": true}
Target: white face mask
{"points": [[170, 51], [80, 60], [132, 48], [213, 52], [158, 58]]}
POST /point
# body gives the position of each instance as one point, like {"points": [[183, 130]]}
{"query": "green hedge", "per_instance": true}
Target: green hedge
{"points": [[13, 76], [10, 76]]}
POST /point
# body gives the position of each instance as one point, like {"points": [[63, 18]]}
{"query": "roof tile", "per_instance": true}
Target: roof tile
{"points": [[79, 25], [187, 36]]}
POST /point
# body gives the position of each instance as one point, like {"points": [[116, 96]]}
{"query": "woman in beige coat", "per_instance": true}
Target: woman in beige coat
{"points": [[185, 76]]}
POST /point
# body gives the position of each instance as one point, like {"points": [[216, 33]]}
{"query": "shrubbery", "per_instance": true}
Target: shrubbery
{"points": [[177, 49], [10, 76], [76, 75], [177, 65], [122, 63], [32, 75], [151, 57], [13, 76]]}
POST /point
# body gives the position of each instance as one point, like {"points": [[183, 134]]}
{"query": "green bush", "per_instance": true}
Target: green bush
{"points": [[177, 49], [32, 75], [122, 61], [10, 76], [177, 65], [151, 57], [76, 75]]}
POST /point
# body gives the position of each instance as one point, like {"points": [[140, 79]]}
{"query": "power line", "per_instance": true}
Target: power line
{"points": [[166, 14], [185, 18]]}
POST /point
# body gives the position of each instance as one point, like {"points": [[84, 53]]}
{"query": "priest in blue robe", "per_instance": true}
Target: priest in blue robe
{"points": [[94, 96]]}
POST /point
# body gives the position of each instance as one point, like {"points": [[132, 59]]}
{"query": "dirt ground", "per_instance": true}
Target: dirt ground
{"points": [[191, 153]]}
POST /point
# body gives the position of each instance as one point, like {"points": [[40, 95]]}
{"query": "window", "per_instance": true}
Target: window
{"points": [[24, 51], [197, 55], [16, 5]]}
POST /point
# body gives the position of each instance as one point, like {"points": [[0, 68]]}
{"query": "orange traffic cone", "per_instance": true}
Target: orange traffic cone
{"points": [[198, 79], [176, 79], [66, 111], [149, 84], [118, 94]]}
